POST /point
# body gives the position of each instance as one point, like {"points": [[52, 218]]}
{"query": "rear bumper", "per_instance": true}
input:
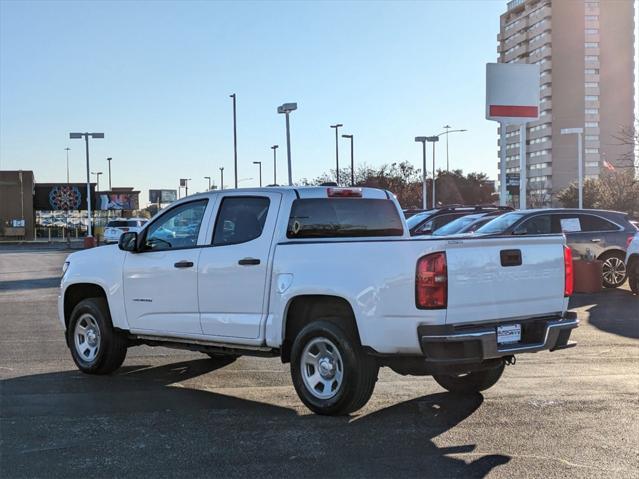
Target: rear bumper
{"points": [[469, 344]]}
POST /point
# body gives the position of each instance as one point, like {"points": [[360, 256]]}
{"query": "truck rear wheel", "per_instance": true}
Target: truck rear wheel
{"points": [[331, 373], [470, 382], [95, 346]]}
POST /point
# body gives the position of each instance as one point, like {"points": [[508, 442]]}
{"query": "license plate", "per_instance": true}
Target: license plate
{"points": [[508, 333]]}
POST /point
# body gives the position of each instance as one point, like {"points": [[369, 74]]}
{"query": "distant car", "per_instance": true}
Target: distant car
{"points": [[467, 224], [632, 263], [429, 221], [600, 233], [115, 228]]}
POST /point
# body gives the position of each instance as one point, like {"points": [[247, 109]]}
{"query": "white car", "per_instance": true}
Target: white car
{"points": [[327, 279], [114, 228], [632, 264]]}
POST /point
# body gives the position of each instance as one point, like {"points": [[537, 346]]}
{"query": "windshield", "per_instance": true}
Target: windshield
{"points": [[500, 224], [418, 218], [456, 226]]}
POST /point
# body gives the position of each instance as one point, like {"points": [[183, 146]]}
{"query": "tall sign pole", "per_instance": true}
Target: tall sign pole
{"points": [[512, 98]]}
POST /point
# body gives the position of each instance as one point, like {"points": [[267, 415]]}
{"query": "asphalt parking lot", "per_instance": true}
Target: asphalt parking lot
{"points": [[166, 413]]}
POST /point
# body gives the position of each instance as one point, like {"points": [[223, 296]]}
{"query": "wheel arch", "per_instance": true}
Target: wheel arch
{"points": [[76, 292], [302, 309]]}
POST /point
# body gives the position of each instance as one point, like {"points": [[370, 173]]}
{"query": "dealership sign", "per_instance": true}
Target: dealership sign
{"points": [[512, 92]]}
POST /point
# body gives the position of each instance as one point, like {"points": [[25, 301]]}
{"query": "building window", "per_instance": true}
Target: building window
{"points": [[592, 31], [592, 18], [592, 164], [592, 150], [591, 84], [591, 98], [592, 137], [591, 44], [591, 71], [592, 111], [591, 58], [592, 124]]}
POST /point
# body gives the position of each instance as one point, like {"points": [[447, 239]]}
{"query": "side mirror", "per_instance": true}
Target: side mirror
{"points": [[128, 241]]}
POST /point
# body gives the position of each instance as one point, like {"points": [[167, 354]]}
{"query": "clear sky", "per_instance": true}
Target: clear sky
{"points": [[155, 78]]}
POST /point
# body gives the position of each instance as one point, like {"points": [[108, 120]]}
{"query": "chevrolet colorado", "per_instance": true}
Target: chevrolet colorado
{"points": [[327, 279]]}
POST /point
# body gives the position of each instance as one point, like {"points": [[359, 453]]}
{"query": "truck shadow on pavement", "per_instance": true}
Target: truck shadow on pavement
{"points": [[615, 311], [145, 421]]}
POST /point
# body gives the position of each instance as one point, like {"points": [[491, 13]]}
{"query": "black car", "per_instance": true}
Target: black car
{"points": [[429, 221], [600, 234], [467, 224]]}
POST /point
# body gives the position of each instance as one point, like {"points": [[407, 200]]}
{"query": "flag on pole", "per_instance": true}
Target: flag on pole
{"points": [[608, 166]]}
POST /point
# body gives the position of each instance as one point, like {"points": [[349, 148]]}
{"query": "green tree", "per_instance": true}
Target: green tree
{"points": [[569, 197]]}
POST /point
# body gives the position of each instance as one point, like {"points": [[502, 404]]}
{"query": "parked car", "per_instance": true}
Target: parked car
{"points": [[467, 224], [632, 263], [327, 279], [600, 233], [115, 228], [429, 221]]}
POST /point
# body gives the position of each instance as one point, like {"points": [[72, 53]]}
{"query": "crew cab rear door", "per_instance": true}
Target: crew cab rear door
{"points": [[505, 278], [234, 266]]}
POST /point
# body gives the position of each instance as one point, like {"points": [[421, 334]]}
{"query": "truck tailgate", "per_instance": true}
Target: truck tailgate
{"points": [[505, 278]]}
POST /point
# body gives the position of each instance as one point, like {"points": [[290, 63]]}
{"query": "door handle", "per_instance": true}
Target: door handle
{"points": [[184, 264], [248, 261], [596, 240]]}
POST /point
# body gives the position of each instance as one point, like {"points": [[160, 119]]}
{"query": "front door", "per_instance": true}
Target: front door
{"points": [[233, 270], [160, 281]]}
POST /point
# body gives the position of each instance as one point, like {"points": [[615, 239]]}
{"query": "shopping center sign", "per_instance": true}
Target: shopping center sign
{"points": [[512, 92]]}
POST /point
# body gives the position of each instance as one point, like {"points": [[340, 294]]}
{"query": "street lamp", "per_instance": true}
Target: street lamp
{"points": [[97, 179], [423, 140], [286, 109], [433, 140], [259, 163], [67, 148], [208, 178], [352, 159], [274, 148], [109, 160], [234, 137], [337, 127], [447, 132], [77, 136], [221, 177], [580, 172]]}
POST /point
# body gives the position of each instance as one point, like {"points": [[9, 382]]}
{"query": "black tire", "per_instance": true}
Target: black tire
{"points": [[472, 382], [112, 345], [358, 370], [614, 269], [633, 276]]}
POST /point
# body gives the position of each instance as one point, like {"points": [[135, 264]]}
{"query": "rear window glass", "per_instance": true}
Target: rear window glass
{"points": [[118, 224], [343, 217], [132, 223]]}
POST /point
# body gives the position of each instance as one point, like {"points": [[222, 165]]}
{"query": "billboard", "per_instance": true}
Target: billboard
{"points": [[512, 92], [162, 196], [61, 196], [117, 200]]}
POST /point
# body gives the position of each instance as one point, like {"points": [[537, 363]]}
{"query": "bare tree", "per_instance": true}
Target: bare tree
{"points": [[629, 136]]}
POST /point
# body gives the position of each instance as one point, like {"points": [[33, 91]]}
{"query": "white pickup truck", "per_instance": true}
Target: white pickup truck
{"points": [[326, 278]]}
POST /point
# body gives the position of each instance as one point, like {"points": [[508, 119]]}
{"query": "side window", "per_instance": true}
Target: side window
{"points": [[240, 219], [442, 220], [537, 225], [177, 228], [596, 223]]}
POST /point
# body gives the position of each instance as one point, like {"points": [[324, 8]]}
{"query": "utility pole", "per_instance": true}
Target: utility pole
{"points": [[352, 160], [259, 163], [221, 177], [109, 160], [67, 148], [337, 127], [234, 137], [286, 109], [274, 148]]}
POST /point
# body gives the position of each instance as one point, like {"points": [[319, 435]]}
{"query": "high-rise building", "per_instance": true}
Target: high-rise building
{"points": [[585, 50]]}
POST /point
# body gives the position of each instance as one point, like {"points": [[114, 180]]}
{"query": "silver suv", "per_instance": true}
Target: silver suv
{"points": [[602, 234]]}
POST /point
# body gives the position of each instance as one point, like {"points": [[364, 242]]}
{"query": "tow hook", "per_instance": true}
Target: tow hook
{"points": [[510, 360]]}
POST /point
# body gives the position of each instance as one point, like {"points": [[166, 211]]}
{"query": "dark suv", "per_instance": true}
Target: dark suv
{"points": [[428, 221], [603, 234]]}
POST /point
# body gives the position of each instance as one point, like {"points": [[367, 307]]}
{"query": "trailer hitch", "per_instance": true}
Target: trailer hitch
{"points": [[510, 360]]}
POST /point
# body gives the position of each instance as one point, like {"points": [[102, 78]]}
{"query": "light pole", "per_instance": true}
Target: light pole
{"points": [[433, 140], [208, 178], [109, 160], [580, 171], [186, 185], [67, 149], [286, 109], [423, 140], [337, 127], [259, 163], [75, 136], [221, 177], [234, 137], [352, 160], [274, 148], [447, 132], [97, 179]]}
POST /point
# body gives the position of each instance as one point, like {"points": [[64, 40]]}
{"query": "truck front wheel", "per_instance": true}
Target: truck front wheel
{"points": [[95, 346], [330, 372], [470, 382]]}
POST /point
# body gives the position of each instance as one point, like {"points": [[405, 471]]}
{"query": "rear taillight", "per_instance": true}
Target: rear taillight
{"points": [[568, 272], [629, 240], [344, 192], [431, 282], [124, 229]]}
